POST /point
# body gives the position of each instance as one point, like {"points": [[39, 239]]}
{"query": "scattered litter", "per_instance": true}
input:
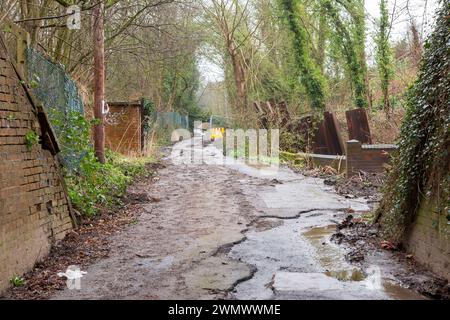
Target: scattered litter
{"points": [[72, 273]]}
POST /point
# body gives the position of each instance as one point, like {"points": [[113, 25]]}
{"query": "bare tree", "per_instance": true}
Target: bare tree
{"points": [[231, 18]]}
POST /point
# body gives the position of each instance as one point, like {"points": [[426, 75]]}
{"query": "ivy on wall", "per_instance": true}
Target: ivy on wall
{"points": [[422, 166]]}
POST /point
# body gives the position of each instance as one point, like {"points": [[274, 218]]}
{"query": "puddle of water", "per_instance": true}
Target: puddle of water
{"points": [[399, 293], [329, 256], [320, 232], [347, 275], [331, 259]]}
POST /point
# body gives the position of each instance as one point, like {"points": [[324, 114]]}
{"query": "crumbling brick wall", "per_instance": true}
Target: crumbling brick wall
{"points": [[124, 128], [34, 210], [367, 158]]}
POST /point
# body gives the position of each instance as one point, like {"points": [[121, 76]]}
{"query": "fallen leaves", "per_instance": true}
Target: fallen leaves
{"points": [[388, 245], [81, 247]]}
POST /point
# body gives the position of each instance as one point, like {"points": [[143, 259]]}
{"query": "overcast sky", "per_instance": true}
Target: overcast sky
{"points": [[422, 11]]}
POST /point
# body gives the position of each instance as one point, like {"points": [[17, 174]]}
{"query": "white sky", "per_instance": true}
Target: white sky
{"points": [[422, 11]]}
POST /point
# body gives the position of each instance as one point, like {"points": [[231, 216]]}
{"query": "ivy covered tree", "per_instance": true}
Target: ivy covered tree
{"points": [[350, 37], [181, 85], [309, 72], [384, 54], [341, 23], [421, 176]]}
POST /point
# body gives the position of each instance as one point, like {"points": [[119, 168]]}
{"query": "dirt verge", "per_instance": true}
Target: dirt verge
{"points": [[364, 242], [84, 246], [363, 185]]}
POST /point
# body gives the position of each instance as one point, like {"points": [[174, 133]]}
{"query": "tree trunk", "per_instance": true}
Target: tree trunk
{"points": [[99, 82], [239, 78]]}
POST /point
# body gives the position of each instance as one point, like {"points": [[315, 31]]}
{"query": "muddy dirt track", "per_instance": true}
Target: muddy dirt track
{"points": [[232, 231]]}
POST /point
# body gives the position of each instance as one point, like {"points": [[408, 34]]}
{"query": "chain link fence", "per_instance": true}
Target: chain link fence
{"points": [[58, 93], [172, 120]]}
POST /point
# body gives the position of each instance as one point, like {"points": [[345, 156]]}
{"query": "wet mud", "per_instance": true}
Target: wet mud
{"points": [[233, 231]]}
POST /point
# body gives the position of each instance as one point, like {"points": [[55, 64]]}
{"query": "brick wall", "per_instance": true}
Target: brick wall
{"points": [[34, 209], [124, 128], [367, 158], [429, 239]]}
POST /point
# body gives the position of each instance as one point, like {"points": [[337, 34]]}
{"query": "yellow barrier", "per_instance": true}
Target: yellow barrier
{"points": [[217, 133]]}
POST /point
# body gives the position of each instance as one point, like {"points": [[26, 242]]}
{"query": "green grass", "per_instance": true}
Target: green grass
{"points": [[17, 281]]}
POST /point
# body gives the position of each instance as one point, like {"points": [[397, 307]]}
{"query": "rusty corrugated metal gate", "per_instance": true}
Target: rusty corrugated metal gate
{"points": [[358, 126], [325, 138]]}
